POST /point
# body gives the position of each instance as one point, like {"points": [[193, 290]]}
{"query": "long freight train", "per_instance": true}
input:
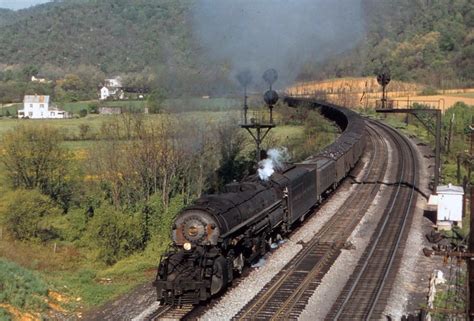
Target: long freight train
{"points": [[215, 237]]}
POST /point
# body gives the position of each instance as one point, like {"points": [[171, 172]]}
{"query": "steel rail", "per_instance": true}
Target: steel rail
{"points": [[340, 308], [296, 296], [402, 230]]}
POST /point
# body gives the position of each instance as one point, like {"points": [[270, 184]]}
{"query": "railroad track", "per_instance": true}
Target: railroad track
{"points": [[167, 312], [365, 295], [287, 294]]}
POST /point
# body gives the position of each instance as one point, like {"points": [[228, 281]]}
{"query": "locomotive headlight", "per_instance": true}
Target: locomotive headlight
{"points": [[187, 246]]}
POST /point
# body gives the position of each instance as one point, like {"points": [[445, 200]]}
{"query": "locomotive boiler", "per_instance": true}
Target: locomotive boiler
{"points": [[215, 237]]}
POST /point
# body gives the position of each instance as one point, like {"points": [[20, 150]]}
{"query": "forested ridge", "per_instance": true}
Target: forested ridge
{"points": [[115, 35], [429, 41]]}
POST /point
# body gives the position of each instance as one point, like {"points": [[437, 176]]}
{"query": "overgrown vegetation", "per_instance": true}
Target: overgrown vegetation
{"points": [[455, 140], [21, 288], [121, 191]]}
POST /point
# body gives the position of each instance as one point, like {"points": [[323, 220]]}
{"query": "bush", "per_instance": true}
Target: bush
{"points": [[116, 234], [28, 215], [75, 224], [93, 108], [21, 288], [4, 315], [83, 112]]}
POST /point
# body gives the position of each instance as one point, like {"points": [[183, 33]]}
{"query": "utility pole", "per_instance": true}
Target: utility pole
{"points": [[470, 262], [450, 134], [436, 132], [437, 150]]}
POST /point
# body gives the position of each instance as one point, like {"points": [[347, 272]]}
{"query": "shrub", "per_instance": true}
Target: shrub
{"points": [[116, 234], [21, 288], [27, 215], [83, 112], [75, 224], [93, 108], [4, 315]]}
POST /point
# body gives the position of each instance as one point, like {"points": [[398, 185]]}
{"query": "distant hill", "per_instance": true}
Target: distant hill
{"points": [[115, 35], [6, 16], [431, 41]]}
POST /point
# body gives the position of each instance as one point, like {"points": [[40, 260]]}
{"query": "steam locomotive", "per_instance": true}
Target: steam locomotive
{"points": [[215, 237]]}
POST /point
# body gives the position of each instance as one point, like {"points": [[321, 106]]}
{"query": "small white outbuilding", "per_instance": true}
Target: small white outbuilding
{"points": [[448, 204]]}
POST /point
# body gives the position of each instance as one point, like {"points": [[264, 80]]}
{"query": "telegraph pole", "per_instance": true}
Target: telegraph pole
{"points": [[470, 262]]}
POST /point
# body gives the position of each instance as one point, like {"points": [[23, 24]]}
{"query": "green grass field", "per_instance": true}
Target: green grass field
{"points": [[170, 105]]}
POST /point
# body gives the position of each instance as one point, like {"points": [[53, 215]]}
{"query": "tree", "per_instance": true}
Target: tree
{"points": [[29, 71], [116, 234], [155, 101], [232, 165], [34, 158], [26, 213]]}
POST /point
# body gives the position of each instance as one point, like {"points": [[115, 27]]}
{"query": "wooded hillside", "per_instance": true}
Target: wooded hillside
{"points": [[113, 35], [431, 41]]}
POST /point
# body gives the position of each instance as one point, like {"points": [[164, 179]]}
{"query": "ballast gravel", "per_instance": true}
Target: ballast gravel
{"points": [[336, 278]]}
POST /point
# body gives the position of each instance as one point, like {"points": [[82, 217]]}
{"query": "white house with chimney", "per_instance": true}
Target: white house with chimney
{"points": [[38, 107]]}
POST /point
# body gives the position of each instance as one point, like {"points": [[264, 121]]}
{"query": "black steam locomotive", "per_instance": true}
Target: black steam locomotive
{"points": [[214, 238]]}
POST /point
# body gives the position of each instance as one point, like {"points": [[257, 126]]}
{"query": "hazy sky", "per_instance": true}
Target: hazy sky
{"points": [[20, 4]]}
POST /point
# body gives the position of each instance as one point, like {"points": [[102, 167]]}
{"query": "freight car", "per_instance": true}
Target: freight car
{"points": [[215, 237]]}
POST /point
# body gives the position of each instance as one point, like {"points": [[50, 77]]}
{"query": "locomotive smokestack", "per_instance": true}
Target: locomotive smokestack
{"points": [[274, 161]]}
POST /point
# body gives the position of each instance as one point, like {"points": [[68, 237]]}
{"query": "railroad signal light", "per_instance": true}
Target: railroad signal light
{"points": [[257, 129]]}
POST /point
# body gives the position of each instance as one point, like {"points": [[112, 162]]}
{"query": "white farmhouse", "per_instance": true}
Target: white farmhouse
{"points": [[38, 107], [112, 88], [448, 202], [104, 93]]}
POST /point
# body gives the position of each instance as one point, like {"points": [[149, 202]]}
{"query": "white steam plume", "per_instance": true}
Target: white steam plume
{"points": [[274, 161]]}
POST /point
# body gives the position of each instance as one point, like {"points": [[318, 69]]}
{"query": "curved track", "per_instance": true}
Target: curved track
{"points": [[288, 293], [366, 294]]}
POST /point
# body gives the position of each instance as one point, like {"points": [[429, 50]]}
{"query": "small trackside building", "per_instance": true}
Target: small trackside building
{"points": [[448, 202]]}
